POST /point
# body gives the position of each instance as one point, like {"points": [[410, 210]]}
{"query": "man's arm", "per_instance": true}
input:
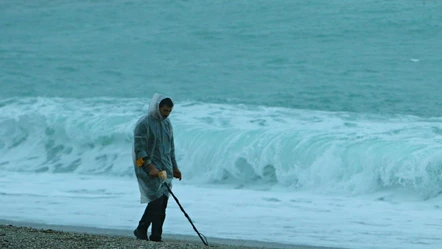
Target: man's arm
{"points": [[176, 171], [174, 164], [143, 149]]}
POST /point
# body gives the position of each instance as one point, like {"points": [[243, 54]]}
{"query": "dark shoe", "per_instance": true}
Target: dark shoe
{"points": [[140, 235]]}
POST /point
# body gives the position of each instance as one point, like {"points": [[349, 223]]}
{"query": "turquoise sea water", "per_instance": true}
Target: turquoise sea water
{"points": [[358, 56], [311, 95]]}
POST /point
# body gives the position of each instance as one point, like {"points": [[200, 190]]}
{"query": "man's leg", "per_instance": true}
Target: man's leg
{"points": [[164, 207], [141, 231], [158, 218], [146, 219]]}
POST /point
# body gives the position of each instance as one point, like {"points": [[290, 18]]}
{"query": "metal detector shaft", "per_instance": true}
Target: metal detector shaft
{"points": [[202, 237]]}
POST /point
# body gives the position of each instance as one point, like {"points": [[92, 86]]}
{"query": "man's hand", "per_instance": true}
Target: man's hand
{"points": [[177, 173], [153, 171]]}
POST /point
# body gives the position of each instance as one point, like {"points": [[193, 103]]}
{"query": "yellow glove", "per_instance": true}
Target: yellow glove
{"points": [[162, 175]]}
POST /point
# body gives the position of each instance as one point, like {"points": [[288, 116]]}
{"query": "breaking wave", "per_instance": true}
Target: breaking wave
{"points": [[298, 149]]}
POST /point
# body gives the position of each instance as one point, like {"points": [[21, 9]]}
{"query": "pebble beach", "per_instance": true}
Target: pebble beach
{"points": [[13, 237], [27, 237]]}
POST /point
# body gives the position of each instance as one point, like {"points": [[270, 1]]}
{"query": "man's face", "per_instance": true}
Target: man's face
{"points": [[165, 111]]}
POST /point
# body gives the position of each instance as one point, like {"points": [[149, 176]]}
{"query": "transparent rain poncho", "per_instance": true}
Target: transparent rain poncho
{"points": [[153, 141]]}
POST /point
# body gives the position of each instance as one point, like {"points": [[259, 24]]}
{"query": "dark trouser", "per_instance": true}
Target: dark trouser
{"points": [[155, 213]]}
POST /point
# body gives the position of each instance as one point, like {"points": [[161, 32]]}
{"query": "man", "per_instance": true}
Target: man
{"points": [[155, 165]]}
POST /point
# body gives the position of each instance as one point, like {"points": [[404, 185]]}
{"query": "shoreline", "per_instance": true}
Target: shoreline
{"points": [[14, 234]]}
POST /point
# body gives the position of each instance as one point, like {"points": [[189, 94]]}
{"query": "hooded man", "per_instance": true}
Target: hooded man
{"points": [[155, 165]]}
